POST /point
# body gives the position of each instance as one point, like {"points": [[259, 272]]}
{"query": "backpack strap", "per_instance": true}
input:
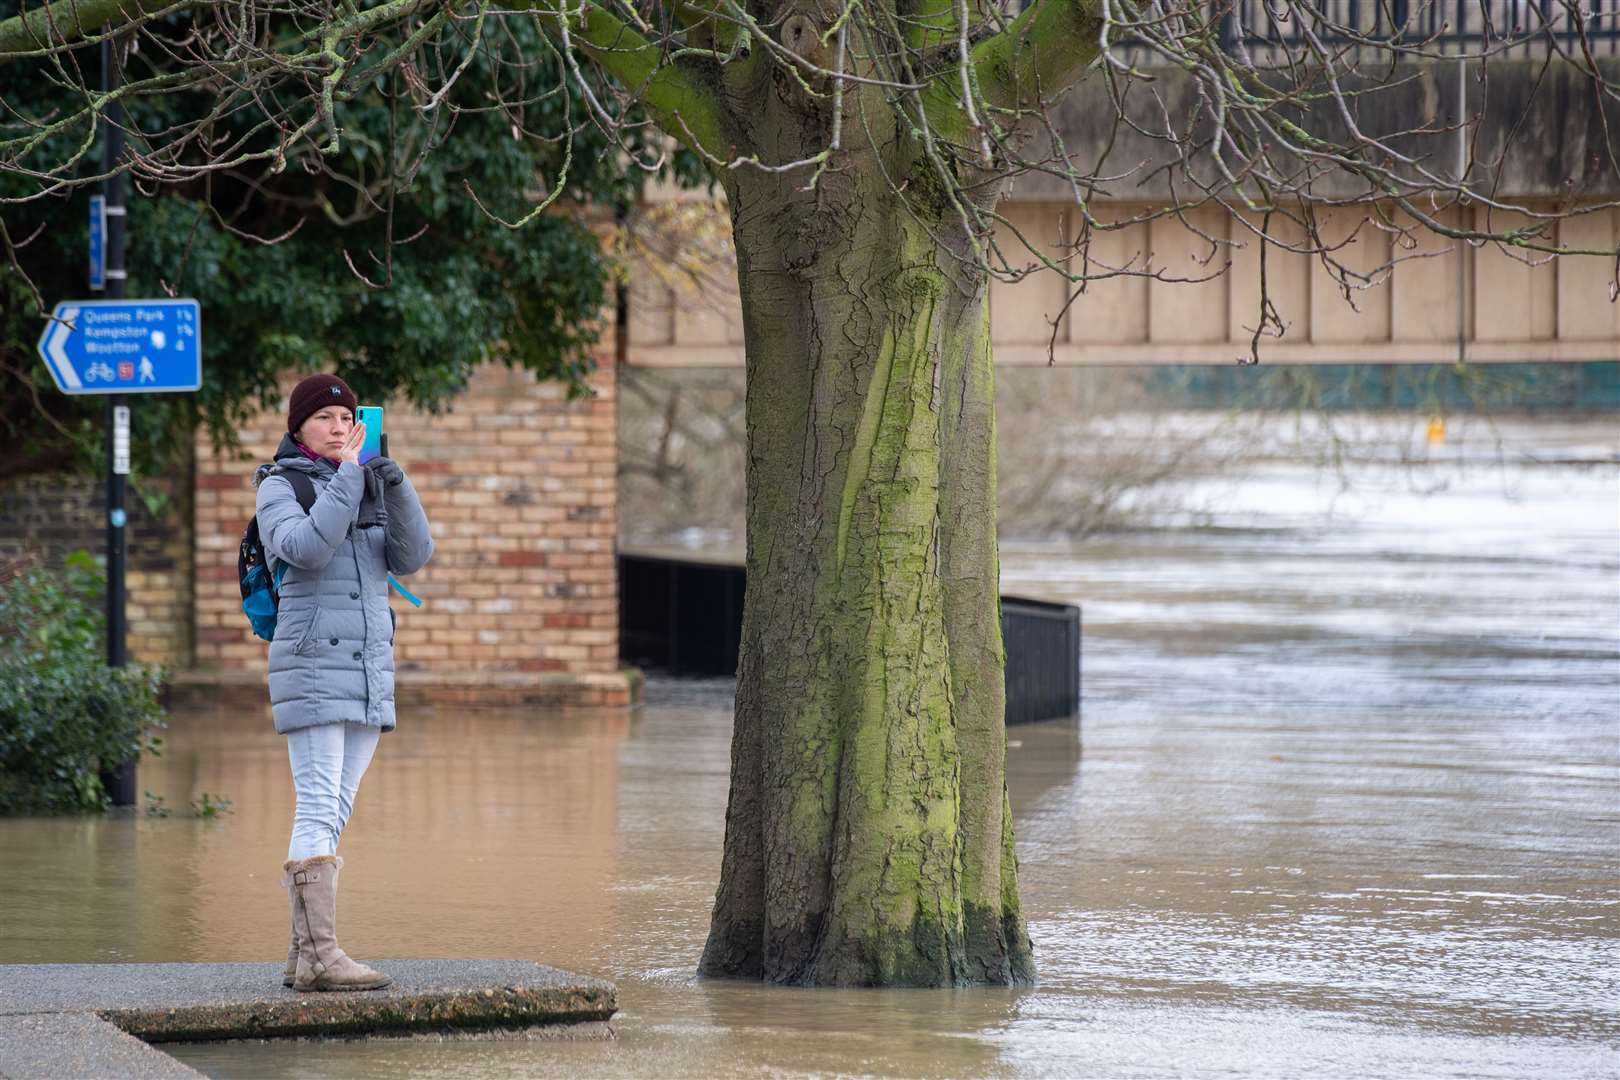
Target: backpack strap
{"points": [[304, 490], [302, 486]]}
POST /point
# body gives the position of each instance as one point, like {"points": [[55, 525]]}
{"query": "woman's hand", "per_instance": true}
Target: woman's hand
{"points": [[387, 470], [351, 447]]}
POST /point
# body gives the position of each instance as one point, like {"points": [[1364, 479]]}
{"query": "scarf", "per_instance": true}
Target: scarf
{"points": [[313, 456]]}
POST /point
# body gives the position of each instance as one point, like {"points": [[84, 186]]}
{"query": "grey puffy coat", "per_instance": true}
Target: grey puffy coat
{"points": [[332, 660]]}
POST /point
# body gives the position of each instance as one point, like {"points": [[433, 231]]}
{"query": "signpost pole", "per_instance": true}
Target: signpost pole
{"points": [[120, 781], [120, 348]]}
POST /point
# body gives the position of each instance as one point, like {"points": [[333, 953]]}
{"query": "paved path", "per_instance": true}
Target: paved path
{"points": [[91, 1019]]}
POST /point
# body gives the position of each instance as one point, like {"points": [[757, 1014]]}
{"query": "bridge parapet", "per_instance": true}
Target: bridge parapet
{"points": [[1190, 287], [1512, 309]]}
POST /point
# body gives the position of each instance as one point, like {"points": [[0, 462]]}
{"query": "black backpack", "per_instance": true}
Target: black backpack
{"points": [[261, 591]]}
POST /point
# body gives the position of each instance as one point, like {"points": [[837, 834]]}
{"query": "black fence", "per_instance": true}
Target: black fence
{"points": [[680, 617], [1043, 659], [1501, 27], [1272, 29], [684, 618]]}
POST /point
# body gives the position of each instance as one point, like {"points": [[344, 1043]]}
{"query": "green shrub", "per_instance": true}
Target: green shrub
{"points": [[64, 714]]}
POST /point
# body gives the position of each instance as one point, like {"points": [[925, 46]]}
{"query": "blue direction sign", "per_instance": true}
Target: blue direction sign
{"points": [[98, 242], [124, 346]]}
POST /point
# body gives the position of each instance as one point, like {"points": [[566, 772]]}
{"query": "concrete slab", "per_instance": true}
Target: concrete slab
{"points": [[53, 1045], [51, 1014]]}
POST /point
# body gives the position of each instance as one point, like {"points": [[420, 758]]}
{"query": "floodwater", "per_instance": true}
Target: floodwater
{"points": [[1344, 801]]}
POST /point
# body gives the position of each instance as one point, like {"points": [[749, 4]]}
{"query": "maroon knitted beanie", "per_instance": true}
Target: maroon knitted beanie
{"points": [[314, 394]]}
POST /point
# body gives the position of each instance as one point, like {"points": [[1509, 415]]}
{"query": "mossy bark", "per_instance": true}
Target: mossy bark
{"points": [[868, 840]]}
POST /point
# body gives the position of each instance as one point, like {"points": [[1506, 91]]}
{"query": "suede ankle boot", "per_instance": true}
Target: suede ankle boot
{"points": [[312, 891]]}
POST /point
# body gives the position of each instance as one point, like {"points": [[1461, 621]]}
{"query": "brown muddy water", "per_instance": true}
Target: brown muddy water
{"points": [[1344, 800]]}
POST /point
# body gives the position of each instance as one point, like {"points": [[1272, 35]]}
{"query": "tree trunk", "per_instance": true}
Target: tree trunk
{"points": [[868, 840]]}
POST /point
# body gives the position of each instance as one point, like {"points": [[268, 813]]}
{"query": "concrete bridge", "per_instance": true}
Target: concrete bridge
{"points": [[1540, 145]]}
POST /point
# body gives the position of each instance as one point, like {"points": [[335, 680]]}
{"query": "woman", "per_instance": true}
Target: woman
{"points": [[332, 659]]}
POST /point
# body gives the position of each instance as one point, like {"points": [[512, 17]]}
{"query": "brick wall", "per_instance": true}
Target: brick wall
{"points": [[44, 518], [520, 599]]}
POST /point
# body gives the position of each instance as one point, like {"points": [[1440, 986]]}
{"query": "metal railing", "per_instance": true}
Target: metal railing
{"points": [[684, 618], [1368, 29], [1042, 642], [1516, 29]]}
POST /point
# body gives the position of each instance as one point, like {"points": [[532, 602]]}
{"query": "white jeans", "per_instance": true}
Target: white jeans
{"points": [[328, 761]]}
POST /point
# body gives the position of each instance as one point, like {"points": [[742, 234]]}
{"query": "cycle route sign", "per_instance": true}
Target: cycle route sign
{"points": [[124, 346]]}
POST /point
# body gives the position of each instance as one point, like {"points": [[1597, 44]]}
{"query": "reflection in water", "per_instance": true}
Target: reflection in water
{"points": [[1347, 805], [429, 851]]}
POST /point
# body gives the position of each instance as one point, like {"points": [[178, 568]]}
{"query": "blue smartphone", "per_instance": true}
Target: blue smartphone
{"points": [[371, 416]]}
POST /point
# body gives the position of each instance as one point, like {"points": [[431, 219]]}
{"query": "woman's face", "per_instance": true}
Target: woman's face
{"points": [[326, 431]]}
